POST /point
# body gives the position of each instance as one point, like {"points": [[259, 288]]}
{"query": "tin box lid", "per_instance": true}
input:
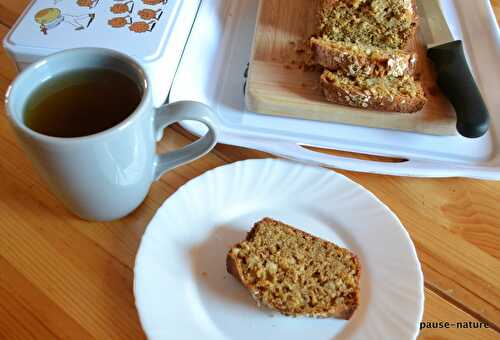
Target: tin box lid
{"points": [[140, 28]]}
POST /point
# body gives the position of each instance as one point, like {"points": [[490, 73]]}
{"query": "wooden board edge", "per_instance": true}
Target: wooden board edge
{"points": [[256, 101]]}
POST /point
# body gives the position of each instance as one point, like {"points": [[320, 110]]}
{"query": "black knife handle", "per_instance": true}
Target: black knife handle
{"points": [[456, 81]]}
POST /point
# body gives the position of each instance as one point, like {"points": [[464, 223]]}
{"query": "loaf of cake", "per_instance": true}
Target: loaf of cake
{"points": [[357, 59], [391, 94], [365, 48], [380, 23], [295, 273]]}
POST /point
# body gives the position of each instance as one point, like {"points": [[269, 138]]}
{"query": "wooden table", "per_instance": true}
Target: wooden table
{"points": [[61, 277]]}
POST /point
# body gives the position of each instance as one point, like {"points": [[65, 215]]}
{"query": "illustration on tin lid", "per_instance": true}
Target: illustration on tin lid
{"points": [[142, 26], [137, 27], [154, 2], [126, 7], [87, 3], [119, 22], [150, 14], [142, 21], [50, 18]]}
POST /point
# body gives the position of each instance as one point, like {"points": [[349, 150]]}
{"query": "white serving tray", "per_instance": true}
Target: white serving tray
{"points": [[216, 56]]}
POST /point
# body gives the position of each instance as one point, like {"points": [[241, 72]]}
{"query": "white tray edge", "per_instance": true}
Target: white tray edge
{"points": [[414, 167]]}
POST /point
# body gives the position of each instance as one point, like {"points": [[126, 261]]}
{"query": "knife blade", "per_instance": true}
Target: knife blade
{"points": [[454, 76], [435, 28]]}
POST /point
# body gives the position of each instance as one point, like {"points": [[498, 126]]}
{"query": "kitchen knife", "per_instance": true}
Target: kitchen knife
{"points": [[453, 73]]}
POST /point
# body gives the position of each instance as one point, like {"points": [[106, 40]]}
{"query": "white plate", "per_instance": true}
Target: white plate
{"points": [[183, 291]]}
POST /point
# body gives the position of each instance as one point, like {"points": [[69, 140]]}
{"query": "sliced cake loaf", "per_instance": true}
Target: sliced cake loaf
{"points": [[296, 273], [380, 23], [356, 59], [364, 47], [390, 94]]}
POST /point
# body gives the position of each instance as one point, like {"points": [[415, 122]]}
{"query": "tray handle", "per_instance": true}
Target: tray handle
{"points": [[408, 168], [300, 153]]}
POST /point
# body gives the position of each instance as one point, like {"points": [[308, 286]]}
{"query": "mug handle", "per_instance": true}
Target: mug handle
{"points": [[169, 114]]}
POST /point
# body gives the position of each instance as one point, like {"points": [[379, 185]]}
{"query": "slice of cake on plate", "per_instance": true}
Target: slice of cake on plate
{"points": [[295, 273]]}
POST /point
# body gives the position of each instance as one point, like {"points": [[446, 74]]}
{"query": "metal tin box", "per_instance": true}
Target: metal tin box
{"points": [[152, 31]]}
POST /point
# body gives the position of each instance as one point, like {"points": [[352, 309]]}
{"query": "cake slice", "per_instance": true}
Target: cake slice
{"points": [[356, 59], [390, 94], [379, 23], [296, 273], [364, 47]]}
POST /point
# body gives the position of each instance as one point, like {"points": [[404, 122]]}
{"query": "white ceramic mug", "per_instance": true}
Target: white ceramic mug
{"points": [[107, 175]]}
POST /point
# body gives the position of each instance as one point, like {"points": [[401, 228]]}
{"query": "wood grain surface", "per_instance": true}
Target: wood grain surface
{"points": [[279, 85], [64, 278]]}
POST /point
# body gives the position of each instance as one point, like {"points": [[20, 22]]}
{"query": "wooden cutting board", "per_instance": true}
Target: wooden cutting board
{"points": [[277, 83]]}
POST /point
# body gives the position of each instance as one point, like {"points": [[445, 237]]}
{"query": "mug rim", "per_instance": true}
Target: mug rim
{"points": [[17, 120]]}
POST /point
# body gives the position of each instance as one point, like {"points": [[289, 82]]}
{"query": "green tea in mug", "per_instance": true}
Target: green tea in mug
{"points": [[82, 103]]}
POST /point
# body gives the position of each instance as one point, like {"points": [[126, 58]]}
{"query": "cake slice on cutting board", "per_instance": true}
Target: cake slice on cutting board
{"points": [[281, 83], [365, 48], [397, 94], [356, 59], [380, 23]]}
